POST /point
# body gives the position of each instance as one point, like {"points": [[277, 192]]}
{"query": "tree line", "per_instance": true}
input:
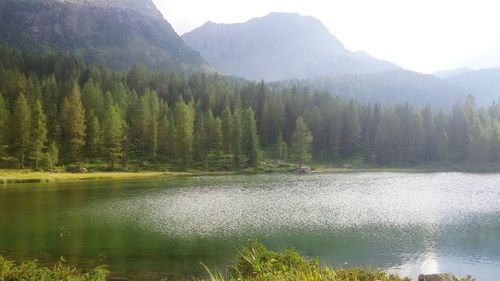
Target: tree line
{"points": [[56, 110]]}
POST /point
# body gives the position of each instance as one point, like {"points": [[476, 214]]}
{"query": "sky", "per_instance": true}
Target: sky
{"points": [[420, 35]]}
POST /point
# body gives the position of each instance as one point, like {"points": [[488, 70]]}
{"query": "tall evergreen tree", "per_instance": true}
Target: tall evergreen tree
{"points": [[21, 128], [4, 128], [39, 140], [301, 142], [250, 138], [94, 133], [114, 135], [184, 121], [73, 116]]}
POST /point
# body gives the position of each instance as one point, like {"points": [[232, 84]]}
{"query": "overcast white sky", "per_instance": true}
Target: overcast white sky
{"points": [[421, 35]]}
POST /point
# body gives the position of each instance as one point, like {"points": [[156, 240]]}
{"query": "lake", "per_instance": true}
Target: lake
{"points": [[148, 229]]}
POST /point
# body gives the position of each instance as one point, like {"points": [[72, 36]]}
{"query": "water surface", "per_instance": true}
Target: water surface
{"points": [[148, 229]]}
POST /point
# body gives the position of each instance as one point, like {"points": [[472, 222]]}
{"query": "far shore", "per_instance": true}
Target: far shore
{"points": [[16, 176]]}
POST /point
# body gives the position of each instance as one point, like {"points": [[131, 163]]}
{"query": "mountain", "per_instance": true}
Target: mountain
{"points": [[387, 87], [483, 84], [279, 46], [451, 72], [117, 33]]}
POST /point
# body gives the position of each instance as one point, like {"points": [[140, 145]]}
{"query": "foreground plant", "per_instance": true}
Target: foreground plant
{"points": [[31, 271], [257, 263]]}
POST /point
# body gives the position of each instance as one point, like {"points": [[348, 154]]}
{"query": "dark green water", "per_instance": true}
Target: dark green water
{"points": [[145, 230]]}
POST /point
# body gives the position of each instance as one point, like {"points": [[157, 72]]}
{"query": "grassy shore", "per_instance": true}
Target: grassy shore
{"points": [[257, 263], [26, 176], [254, 263]]}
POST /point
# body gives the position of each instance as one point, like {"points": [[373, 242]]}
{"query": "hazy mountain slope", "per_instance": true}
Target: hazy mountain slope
{"points": [[483, 84], [389, 87], [451, 72], [279, 46], [118, 33]]}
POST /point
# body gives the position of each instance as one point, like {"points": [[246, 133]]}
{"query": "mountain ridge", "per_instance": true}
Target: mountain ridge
{"points": [[286, 46]]}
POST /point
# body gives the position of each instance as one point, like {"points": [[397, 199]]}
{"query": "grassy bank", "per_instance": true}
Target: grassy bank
{"points": [[257, 263], [28, 176], [31, 271], [25, 176], [254, 263]]}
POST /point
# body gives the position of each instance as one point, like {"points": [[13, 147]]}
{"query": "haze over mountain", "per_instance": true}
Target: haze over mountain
{"points": [[118, 33], [483, 84], [279, 46], [388, 87], [451, 72]]}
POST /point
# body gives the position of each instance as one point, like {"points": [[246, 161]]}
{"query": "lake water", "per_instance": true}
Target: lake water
{"points": [[148, 229]]}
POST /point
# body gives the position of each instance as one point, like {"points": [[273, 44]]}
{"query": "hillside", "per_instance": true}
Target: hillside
{"points": [[389, 87], [118, 34], [279, 46], [483, 84]]}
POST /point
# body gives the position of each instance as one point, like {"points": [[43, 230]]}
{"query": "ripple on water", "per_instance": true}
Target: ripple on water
{"points": [[267, 203]]}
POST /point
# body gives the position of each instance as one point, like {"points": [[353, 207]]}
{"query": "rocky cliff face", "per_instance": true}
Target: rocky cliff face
{"points": [[117, 33]]}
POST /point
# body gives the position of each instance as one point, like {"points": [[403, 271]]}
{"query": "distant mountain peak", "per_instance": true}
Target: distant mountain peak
{"points": [[279, 46]]}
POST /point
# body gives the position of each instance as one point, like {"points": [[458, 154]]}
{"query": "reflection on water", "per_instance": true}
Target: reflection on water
{"points": [[406, 223]]}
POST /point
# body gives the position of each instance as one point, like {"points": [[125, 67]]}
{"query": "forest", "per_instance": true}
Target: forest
{"points": [[56, 110]]}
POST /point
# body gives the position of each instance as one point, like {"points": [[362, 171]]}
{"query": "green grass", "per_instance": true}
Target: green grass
{"points": [[31, 271], [27, 176], [257, 263], [254, 263]]}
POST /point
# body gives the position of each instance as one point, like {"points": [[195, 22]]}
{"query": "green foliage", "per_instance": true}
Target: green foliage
{"points": [[21, 128], [73, 120], [31, 271], [211, 122], [250, 138], [301, 142], [38, 134], [257, 263]]}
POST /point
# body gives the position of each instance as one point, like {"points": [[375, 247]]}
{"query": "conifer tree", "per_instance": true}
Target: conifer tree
{"points": [[237, 138], [94, 135], [73, 120], [114, 135], [4, 128], [20, 128], [38, 134], [250, 138], [227, 128], [184, 121], [301, 142]]}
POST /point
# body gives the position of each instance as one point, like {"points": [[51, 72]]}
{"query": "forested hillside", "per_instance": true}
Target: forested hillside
{"points": [[57, 110]]}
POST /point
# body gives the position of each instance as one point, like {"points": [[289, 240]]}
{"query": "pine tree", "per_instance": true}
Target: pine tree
{"points": [[38, 134], [52, 156], [114, 135], [282, 147], [20, 128], [4, 128], [73, 116], [94, 135], [350, 134], [237, 139], [250, 139], [184, 121], [301, 142], [164, 135], [227, 128]]}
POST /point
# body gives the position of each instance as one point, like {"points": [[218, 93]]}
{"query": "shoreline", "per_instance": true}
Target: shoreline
{"points": [[12, 177]]}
